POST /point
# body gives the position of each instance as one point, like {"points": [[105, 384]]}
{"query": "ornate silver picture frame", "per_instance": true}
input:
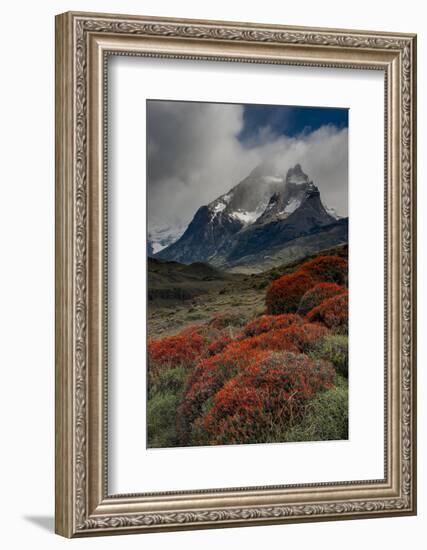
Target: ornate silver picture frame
{"points": [[84, 42]]}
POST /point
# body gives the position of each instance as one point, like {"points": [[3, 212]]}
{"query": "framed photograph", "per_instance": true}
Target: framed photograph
{"points": [[235, 274]]}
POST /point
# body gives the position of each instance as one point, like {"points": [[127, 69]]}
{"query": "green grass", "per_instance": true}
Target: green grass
{"points": [[168, 380], [334, 348], [161, 420], [325, 418], [165, 394]]}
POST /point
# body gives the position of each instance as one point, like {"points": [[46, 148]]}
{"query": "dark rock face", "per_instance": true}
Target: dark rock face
{"points": [[323, 238], [206, 233], [263, 211], [308, 218]]}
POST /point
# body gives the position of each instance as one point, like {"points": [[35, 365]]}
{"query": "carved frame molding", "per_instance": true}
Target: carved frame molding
{"points": [[83, 42]]}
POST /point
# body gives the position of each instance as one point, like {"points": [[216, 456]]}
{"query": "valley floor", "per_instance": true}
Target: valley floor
{"points": [[244, 294]]}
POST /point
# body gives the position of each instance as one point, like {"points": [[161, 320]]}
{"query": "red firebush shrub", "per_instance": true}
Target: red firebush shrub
{"points": [[265, 323], [315, 296], [285, 293], [273, 340], [263, 398], [328, 269], [332, 312], [305, 336], [218, 345], [183, 349], [209, 376], [213, 372], [296, 338]]}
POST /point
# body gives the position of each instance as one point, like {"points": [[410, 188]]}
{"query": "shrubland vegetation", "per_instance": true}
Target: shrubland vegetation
{"points": [[280, 376]]}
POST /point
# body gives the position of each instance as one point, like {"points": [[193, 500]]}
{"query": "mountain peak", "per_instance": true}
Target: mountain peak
{"points": [[297, 187], [297, 176], [265, 205]]}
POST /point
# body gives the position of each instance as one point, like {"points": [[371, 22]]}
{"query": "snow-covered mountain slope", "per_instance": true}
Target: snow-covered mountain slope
{"points": [[248, 199], [213, 225], [265, 209]]}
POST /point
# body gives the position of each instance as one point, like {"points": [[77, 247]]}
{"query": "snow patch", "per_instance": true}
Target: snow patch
{"points": [[292, 205], [270, 206], [219, 207], [247, 217]]}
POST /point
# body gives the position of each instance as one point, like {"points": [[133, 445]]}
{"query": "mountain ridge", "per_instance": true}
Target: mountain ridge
{"points": [[265, 210]]}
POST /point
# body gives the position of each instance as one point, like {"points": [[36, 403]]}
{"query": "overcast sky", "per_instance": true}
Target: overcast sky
{"points": [[198, 151]]}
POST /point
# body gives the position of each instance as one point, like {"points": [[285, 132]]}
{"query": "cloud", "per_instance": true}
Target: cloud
{"points": [[195, 156]]}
